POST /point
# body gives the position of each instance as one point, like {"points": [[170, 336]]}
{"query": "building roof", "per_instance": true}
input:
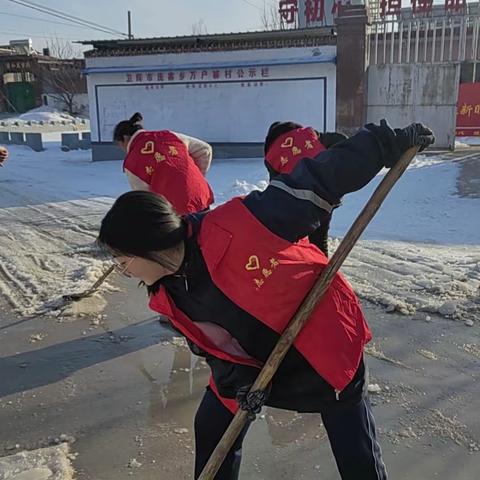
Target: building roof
{"points": [[309, 37]]}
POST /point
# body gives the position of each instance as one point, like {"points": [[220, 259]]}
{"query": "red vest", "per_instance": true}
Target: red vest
{"points": [[288, 149], [269, 277], [162, 161]]}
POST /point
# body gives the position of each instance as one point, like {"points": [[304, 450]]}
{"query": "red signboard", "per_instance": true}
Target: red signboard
{"points": [[468, 110]]}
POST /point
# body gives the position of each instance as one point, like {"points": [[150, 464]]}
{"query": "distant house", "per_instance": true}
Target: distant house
{"points": [[29, 79]]}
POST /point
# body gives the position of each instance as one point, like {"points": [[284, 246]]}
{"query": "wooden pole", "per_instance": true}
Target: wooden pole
{"points": [[306, 308]]}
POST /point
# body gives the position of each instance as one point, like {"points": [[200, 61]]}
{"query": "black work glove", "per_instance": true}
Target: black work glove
{"points": [[396, 142], [329, 139], [415, 135], [320, 236], [251, 402]]}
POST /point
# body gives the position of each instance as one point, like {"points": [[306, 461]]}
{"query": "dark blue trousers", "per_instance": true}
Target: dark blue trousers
{"points": [[350, 428]]}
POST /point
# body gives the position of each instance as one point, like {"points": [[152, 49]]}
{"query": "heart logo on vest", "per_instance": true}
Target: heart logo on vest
{"points": [[253, 263], [287, 143], [148, 148]]}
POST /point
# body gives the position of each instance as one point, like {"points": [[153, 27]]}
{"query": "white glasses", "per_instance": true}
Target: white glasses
{"points": [[122, 267]]}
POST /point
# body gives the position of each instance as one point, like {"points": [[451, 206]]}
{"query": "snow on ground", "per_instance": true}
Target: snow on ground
{"points": [[468, 140], [417, 279], [423, 207], [52, 203], [47, 251], [45, 120], [420, 255], [52, 463]]}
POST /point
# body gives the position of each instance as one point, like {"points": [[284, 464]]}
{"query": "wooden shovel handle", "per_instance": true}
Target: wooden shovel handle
{"points": [[304, 311]]}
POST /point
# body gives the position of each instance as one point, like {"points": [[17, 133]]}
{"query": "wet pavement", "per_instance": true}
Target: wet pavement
{"points": [[127, 391], [468, 183]]}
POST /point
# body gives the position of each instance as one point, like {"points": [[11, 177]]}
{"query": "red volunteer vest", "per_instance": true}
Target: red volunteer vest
{"points": [[269, 277], [162, 161], [288, 149], [163, 304]]}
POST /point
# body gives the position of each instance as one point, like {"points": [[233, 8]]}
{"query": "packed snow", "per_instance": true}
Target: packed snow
{"points": [[419, 256], [51, 463]]}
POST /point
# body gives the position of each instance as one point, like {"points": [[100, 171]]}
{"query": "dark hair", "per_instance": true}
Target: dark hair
{"points": [[127, 127], [140, 223], [276, 130]]}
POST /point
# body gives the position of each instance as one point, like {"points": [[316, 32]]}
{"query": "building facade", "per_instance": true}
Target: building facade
{"points": [[226, 89]]}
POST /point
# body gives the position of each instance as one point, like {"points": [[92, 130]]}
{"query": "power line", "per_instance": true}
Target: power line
{"points": [[253, 5], [84, 23], [42, 20], [4, 32], [73, 17], [260, 9]]}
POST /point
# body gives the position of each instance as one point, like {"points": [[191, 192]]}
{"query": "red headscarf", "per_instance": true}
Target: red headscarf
{"points": [[285, 152]]}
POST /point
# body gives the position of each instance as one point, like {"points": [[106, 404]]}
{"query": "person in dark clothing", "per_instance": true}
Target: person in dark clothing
{"points": [[231, 279], [282, 138]]}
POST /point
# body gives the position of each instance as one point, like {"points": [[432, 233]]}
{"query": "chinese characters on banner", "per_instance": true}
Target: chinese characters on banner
{"points": [[390, 7], [248, 76], [288, 10], [309, 13], [314, 11], [420, 7], [455, 6], [468, 110]]}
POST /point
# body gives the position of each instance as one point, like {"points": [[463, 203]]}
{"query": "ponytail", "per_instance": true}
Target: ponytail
{"points": [[128, 127]]}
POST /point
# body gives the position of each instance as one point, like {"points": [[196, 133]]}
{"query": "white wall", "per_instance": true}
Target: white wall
{"points": [[415, 93], [217, 110]]}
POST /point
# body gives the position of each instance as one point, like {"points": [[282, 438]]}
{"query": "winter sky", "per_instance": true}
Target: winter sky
{"points": [[151, 18]]}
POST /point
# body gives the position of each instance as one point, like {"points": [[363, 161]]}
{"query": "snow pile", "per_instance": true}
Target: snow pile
{"points": [[46, 114], [52, 463], [47, 251], [459, 144], [468, 140], [236, 178], [417, 279], [242, 188]]}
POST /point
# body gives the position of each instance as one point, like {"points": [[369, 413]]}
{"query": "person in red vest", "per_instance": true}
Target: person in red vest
{"points": [[231, 279], [283, 141], [167, 163], [3, 155]]}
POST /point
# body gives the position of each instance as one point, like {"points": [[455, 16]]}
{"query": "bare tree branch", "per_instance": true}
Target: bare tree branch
{"points": [[270, 18], [199, 28], [63, 49], [61, 74]]}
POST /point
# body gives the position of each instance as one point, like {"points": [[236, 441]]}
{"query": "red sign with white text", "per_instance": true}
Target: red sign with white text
{"points": [[468, 110]]}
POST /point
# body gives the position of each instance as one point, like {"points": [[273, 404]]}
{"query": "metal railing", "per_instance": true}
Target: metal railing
{"points": [[425, 40]]}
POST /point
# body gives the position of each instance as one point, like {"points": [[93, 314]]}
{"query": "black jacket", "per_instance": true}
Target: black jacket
{"points": [[292, 207]]}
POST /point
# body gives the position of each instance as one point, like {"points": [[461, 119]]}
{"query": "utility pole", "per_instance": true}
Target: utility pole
{"points": [[129, 15]]}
